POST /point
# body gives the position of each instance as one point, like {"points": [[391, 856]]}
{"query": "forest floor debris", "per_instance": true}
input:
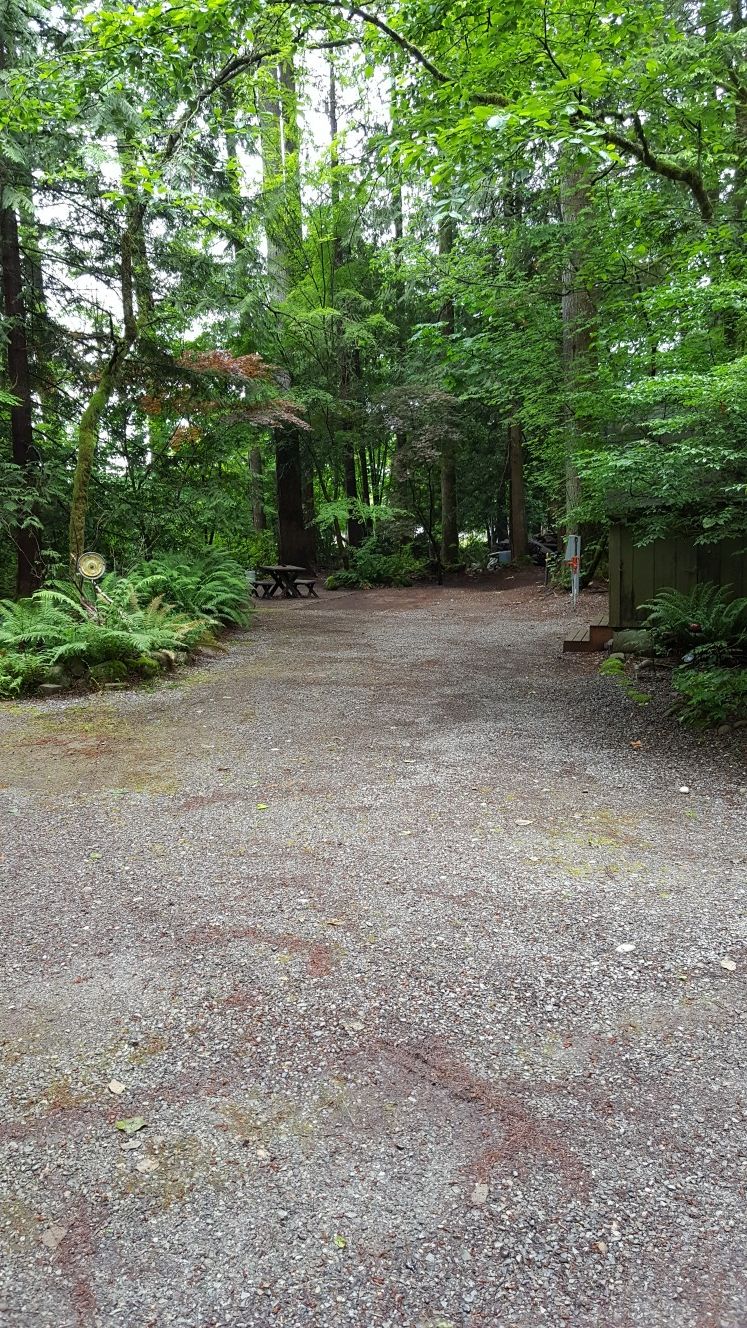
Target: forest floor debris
{"points": [[422, 1001]]}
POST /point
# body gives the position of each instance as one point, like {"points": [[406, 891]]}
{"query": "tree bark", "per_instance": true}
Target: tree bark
{"points": [[578, 318], [88, 437], [259, 518], [449, 519], [516, 476], [19, 383], [279, 137], [295, 543]]}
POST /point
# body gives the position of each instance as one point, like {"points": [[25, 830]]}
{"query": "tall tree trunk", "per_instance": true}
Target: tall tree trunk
{"points": [[516, 477], [88, 437], [19, 383], [133, 287], [449, 521], [18, 365], [295, 544], [259, 519], [333, 251], [363, 464], [579, 318], [279, 138]]}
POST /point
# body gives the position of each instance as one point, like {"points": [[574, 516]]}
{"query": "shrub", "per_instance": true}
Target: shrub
{"points": [[710, 697], [346, 580], [122, 628], [474, 551], [379, 566], [706, 616], [212, 585]]}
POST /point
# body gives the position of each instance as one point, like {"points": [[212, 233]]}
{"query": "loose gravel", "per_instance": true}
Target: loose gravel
{"points": [[426, 983]]}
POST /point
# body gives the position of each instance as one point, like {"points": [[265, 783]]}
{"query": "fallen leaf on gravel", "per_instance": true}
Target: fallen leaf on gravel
{"points": [[480, 1194], [262, 807], [340, 1242], [522, 822], [602, 1246], [729, 965], [131, 1145], [352, 1025], [627, 947], [148, 1164], [115, 1087], [130, 1124], [637, 747], [53, 1236], [263, 1155], [335, 922]]}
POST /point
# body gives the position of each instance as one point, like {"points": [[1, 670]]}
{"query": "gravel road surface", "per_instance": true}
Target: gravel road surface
{"points": [[417, 989]]}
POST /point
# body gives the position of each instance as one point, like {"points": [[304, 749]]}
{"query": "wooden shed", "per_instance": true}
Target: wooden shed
{"points": [[636, 572]]}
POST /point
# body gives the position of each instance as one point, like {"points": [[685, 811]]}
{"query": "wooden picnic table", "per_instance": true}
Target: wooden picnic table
{"points": [[284, 579]]}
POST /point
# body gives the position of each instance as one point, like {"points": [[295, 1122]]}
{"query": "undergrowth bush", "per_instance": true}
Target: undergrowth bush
{"points": [[212, 585], [137, 624], [346, 579], [707, 620], [375, 563], [707, 698]]}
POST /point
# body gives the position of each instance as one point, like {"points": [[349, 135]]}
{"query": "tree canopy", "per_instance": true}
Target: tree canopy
{"points": [[331, 274]]}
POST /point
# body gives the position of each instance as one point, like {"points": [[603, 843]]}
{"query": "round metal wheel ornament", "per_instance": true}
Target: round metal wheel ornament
{"points": [[91, 566]]}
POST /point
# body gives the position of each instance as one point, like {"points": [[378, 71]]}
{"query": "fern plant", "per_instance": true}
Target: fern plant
{"points": [[158, 614], [212, 585], [707, 616]]}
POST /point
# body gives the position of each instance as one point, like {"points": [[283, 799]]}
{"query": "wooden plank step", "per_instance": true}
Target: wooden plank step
{"points": [[577, 641], [599, 633], [584, 640]]}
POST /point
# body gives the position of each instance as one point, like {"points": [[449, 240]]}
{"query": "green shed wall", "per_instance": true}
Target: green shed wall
{"points": [[636, 573]]}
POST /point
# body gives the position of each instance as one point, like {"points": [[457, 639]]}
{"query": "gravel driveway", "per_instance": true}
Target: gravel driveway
{"points": [[427, 985]]}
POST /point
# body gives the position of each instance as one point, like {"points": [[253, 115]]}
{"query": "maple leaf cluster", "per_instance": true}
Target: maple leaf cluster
{"points": [[245, 368]]}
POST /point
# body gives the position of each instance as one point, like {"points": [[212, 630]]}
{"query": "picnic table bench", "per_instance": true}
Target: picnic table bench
{"points": [[285, 579]]}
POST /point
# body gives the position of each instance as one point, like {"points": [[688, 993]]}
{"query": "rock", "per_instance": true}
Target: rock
{"points": [[723, 728], [49, 688], [617, 654], [54, 1235], [113, 670], [632, 642], [148, 666]]}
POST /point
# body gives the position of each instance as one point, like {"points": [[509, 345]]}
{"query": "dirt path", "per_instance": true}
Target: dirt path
{"points": [[350, 914]]}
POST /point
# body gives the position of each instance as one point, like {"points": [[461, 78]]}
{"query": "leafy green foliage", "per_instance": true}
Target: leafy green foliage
{"points": [[211, 586], [58, 634], [377, 567], [706, 620], [712, 697]]}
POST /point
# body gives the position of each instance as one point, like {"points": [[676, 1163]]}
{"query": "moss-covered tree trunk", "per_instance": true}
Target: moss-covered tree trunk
{"points": [[449, 520], [88, 438]]}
